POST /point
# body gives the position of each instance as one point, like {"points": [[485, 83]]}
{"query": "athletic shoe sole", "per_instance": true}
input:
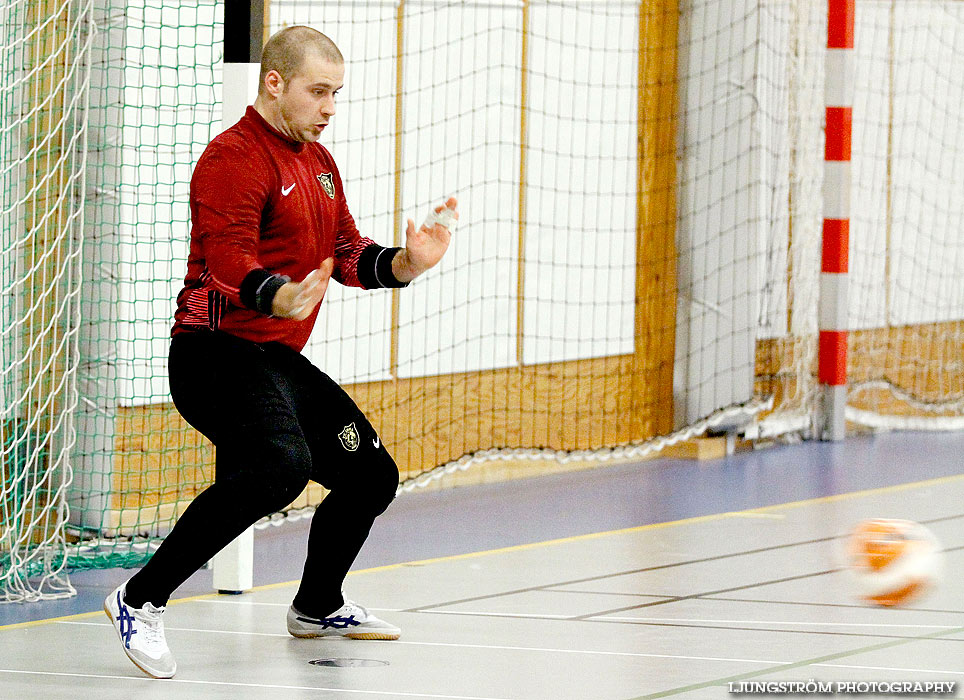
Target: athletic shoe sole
{"points": [[352, 635], [153, 673]]}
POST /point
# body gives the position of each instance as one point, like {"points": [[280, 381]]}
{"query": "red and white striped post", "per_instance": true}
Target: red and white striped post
{"points": [[833, 317]]}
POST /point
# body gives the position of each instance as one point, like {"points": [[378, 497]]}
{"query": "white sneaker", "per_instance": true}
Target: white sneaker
{"points": [[350, 620], [142, 633]]}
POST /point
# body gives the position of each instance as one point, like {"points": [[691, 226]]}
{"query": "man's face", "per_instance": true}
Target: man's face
{"points": [[308, 100]]}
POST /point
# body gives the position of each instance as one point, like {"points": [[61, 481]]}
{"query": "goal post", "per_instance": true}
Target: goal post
{"points": [[835, 263], [244, 23]]}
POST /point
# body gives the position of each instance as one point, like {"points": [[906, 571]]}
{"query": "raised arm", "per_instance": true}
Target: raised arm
{"points": [[425, 246]]}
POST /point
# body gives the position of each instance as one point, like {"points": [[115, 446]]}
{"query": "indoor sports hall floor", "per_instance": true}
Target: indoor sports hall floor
{"points": [[661, 579]]}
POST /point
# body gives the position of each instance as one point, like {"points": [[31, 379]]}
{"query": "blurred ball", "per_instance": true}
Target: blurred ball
{"points": [[893, 561]]}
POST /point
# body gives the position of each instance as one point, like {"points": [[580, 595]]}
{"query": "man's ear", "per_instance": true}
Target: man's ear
{"points": [[274, 84]]}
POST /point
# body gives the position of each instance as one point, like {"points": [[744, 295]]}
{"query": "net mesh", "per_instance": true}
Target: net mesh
{"points": [[157, 103], [907, 265], [637, 258], [45, 48]]}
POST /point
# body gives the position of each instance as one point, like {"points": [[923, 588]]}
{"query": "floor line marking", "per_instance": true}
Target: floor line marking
{"points": [[780, 622], [645, 569], [891, 668], [798, 664], [50, 620], [894, 488], [523, 616], [693, 596], [609, 620], [634, 621], [168, 628], [563, 540], [258, 603], [671, 565], [235, 600], [553, 589], [674, 622], [462, 645], [811, 603], [589, 652], [592, 652], [235, 684]]}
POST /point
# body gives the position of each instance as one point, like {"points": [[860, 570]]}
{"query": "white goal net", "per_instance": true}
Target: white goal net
{"points": [[45, 58]]}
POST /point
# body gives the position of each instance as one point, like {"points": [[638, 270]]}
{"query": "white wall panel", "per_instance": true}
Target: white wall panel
{"points": [[580, 255], [721, 222], [461, 123]]}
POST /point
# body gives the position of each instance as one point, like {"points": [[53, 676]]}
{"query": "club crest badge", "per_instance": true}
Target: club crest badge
{"points": [[349, 437], [327, 184]]}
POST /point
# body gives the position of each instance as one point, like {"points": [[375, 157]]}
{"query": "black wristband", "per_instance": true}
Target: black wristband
{"points": [[259, 287], [375, 268]]}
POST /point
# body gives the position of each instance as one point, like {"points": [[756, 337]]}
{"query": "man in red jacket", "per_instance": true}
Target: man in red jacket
{"points": [[270, 227]]}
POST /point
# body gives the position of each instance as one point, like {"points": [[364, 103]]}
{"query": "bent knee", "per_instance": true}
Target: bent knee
{"points": [[385, 479], [284, 491], [375, 478], [284, 468]]}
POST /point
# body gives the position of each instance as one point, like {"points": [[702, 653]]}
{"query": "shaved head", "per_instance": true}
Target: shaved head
{"points": [[286, 50]]}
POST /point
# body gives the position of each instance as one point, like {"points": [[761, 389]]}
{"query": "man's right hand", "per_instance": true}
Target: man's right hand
{"points": [[296, 300]]}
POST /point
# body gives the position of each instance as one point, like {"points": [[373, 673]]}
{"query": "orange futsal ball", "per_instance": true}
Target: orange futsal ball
{"points": [[893, 561]]}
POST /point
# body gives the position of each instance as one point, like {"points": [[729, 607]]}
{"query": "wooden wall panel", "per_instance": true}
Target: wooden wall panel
{"points": [[423, 422], [656, 218]]}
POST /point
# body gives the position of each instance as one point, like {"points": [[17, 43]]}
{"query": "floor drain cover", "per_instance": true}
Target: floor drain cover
{"points": [[347, 663]]}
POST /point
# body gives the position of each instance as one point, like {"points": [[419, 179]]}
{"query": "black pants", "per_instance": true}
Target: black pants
{"points": [[277, 421]]}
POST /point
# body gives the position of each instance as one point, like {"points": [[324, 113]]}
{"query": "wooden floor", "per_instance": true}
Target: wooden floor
{"points": [[680, 608]]}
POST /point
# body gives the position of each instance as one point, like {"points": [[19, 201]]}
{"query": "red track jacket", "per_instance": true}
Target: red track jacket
{"points": [[263, 209]]}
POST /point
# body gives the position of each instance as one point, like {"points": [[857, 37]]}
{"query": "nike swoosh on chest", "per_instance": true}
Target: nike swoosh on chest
{"points": [[305, 219]]}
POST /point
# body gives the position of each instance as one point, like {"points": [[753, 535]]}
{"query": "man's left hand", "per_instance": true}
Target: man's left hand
{"points": [[425, 246]]}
